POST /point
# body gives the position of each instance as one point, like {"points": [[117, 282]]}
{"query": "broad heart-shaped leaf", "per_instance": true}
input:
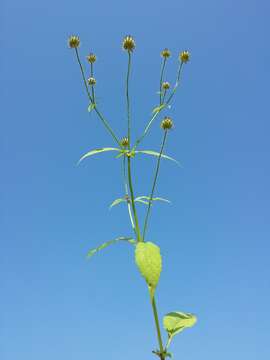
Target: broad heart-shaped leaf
{"points": [[97, 151], [175, 322], [117, 201], [110, 242], [146, 199], [157, 154], [149, 262]]}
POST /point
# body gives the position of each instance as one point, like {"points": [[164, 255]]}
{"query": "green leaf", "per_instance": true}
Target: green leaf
{"points": [[158, 108], [139, 198], [157, 154], [91, 107], [175, 322], [142, 201], [110, 242], [149, 262], [97, 151], [117, 201], [119, 155]]}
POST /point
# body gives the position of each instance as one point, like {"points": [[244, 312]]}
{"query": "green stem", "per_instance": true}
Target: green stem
{"points": [[104, 121], [154, 307], [137, 228], [92, 87], [166, 104], [127, 194], [107, 126], [161, 80], [127, 96], [83, 75], [132, 201], [176, 84], [154, 183], [145, 130]]}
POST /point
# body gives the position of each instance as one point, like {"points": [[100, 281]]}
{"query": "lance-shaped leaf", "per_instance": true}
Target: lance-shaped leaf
{"points": [[146, 199], [175, 322], [149, 262], [91, 107], [118, 201], [157, 154], [110, 242], [97, 151]]}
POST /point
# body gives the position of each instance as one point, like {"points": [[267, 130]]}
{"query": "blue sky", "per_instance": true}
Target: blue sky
{"points": [[214, 237]]}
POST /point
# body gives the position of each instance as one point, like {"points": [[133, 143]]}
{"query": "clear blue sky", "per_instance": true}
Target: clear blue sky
{"points": [[214, 237]]}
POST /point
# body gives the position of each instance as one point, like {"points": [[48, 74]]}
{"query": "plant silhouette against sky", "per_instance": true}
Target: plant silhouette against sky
{"points": [[147, 254]]}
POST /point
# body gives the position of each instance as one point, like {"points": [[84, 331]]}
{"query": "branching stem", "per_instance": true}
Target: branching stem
{"points": [[104, 121], [154, 307], [154, 183]]}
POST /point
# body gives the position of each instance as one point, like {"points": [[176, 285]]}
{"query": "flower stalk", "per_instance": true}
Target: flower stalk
{"points": [[147, 255]]}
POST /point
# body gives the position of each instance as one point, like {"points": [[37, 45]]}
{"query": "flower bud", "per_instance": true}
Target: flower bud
{"points": [[166, 123], [129, 43], [166, 85], [91, 58], [124, 142], [165, 53], [184, 56], [92, 81], [74, 41]]}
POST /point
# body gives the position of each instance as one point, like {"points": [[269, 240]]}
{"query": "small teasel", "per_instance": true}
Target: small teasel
{"points": [[165, 53], [184, 56], [147, 254], [91, 58], [166, 85], [124, 142], [166, 123], [74, 41], [92, 81], [129, 43]]}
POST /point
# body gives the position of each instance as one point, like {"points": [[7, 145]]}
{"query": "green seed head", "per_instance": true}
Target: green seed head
{"points": [[74, 41], [165, 53], [124, 142], [166, 85], [129, 43], [92, 81], [184, 56], [166, 123], [91, 58]]}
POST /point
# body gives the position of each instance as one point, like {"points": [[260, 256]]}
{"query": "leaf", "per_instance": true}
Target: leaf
{"points": [[97, 151], [142, 201], [91, 107], [110, 242], [139, 198], [157, 154], [117, 201], [158, 108], [176, 322], [119, 155], [149, 263]]}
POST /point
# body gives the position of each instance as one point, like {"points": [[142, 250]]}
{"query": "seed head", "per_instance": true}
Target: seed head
{"points": [[166, 85], [74, 41], [91, 58], [165, 53], [92, 81], [166, 123], [129, 43], [124, 142], [184, 56]]}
